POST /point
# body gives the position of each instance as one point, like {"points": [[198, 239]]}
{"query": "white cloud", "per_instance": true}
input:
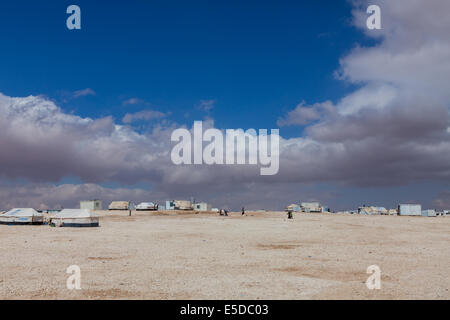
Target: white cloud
{"points": [[414, 53], [393, 129], [206, 105], [84, 92], [50, 196], [373, 96], [45, 144], [143, 115], [304, 114], [133, 101]]}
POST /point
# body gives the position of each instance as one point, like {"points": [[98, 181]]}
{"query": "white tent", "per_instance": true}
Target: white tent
{"points": [[75, 218], [121, 205], [293, 207], [429, 213], [373, 210], [147, 206], [22, 216]]}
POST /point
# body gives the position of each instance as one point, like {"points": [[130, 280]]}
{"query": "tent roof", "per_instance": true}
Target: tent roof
{"points": [[75, 213], [311, 204], [22, 212]]}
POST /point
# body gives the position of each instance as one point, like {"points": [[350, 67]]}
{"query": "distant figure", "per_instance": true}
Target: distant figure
{"points": [[223, 212], [290, 215], [243, 211]]}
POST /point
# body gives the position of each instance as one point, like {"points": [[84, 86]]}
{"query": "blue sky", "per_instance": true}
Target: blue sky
{"points": [[363, 115], [255, 59]]}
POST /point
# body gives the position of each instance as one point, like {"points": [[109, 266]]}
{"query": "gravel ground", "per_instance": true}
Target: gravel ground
{"points": [[259, 256]]}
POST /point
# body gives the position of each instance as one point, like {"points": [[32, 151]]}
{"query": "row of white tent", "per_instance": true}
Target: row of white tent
{"points": [[65, 218]]}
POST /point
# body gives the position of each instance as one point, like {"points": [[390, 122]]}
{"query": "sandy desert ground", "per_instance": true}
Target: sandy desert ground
{"points": [[260, 256]]}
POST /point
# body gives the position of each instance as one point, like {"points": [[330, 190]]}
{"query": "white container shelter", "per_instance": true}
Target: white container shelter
{"points": [[75, 218], [202, 206], [22, 216], [91, 205], [121, 205], [147, 206], [410, 209], [429, 213]]}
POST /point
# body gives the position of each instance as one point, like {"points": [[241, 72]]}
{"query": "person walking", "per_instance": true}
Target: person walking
{"points": [[243, 211], [290, 215]]}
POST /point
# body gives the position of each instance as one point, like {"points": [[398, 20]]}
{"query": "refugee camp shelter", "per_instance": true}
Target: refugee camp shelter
{"points": [[147, 206], [373, 210], [392, 212], [311, 207], [121, 205], [51, 211], [183, 205], [91, 205], [293, 208], [429, 213], [410, 209], [179, 205], [22, 216], [170, 205], [202, 206], [75, 218]]}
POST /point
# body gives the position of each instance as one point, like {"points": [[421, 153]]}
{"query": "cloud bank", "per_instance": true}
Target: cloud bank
{"points": [[392, 130]]}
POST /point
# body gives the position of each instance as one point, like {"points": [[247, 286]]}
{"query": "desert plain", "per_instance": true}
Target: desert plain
{"points": [[206, 256]]}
